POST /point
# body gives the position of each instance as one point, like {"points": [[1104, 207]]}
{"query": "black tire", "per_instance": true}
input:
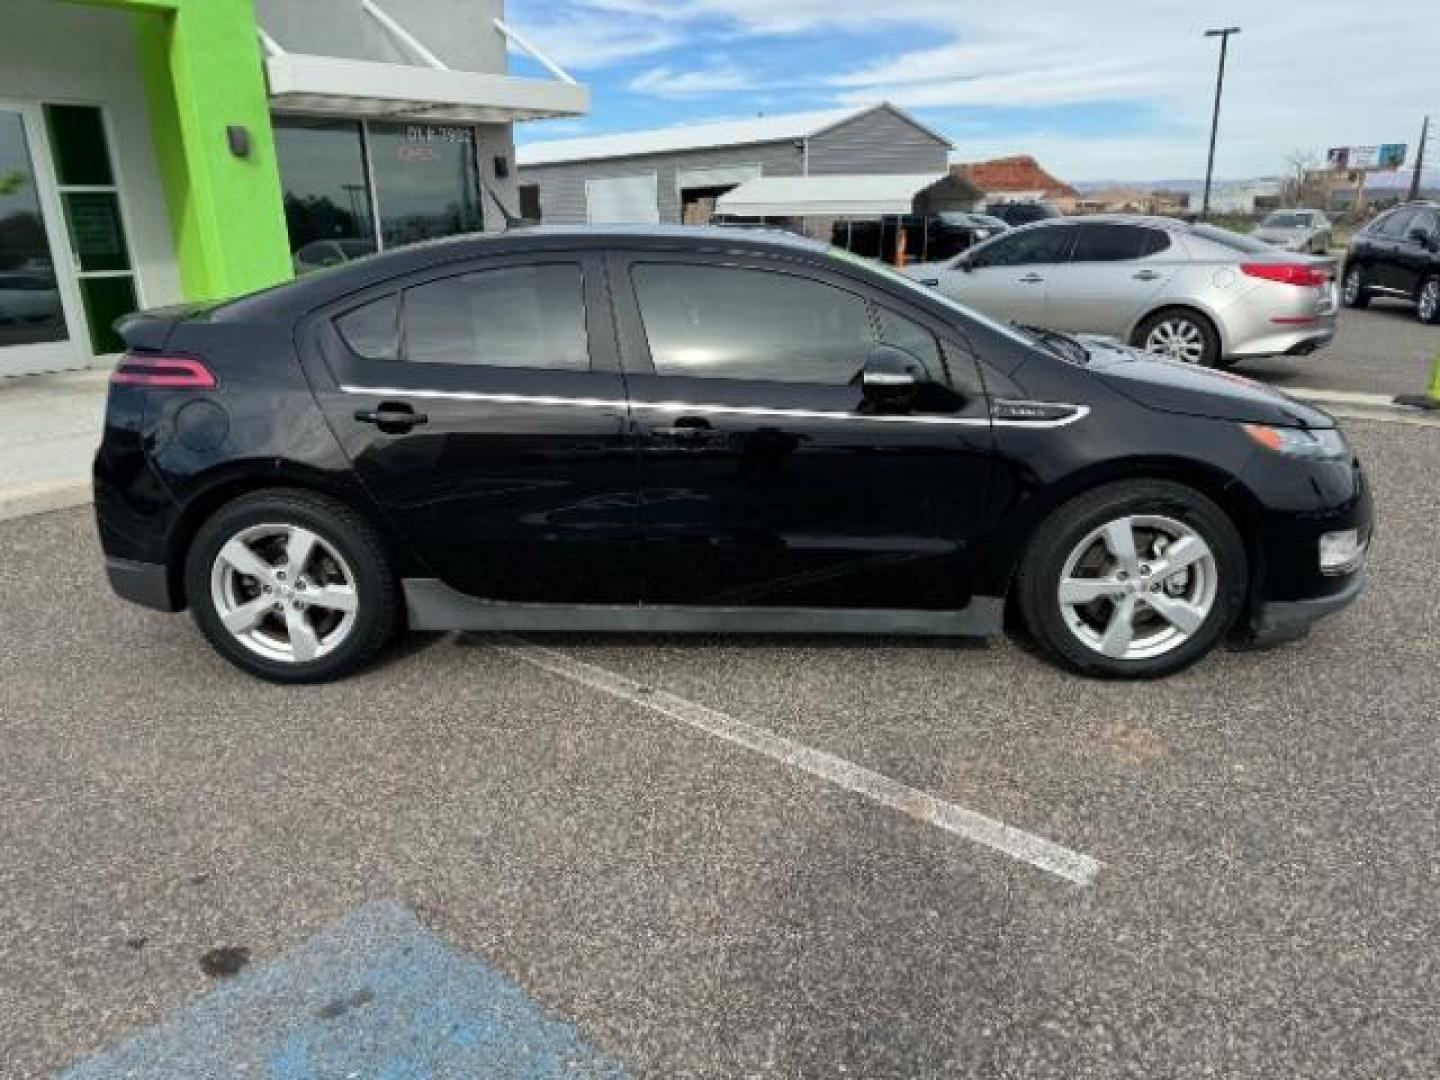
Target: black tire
{"points": [[1209, 337], [351, 537], [1427, 305], [1037, 585], [1358, 297]]}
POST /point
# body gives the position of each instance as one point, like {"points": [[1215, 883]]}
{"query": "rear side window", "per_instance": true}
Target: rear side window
{"points": [[373, 330], [1396, 224], [725, 322], [516, 316], [1105, 242]]}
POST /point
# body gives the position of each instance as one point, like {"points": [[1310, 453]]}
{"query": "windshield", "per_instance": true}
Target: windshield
{"points": [[1286, 221], [894, 277]]}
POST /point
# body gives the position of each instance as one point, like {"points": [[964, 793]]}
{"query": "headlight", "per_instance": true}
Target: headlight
{"points": [[1298, 442]]}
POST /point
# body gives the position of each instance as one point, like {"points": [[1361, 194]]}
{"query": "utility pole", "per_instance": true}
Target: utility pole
{"points": [[1419, 159], [1224, 35]]}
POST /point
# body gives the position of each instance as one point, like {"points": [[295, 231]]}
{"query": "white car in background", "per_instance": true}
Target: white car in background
{"points": [[1191, 292]]}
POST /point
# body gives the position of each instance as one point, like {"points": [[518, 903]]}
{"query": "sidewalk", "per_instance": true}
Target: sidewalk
{"points": [[49, 428]]}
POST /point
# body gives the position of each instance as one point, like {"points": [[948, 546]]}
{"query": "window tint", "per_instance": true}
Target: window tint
{"points": [[1046, 244], [714, 322], [521, 316], [373, 330], [1396, 224], [1427, 221], [1105, 242], [909, 335]]}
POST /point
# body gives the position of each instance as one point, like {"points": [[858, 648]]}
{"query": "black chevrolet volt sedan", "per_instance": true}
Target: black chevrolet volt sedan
{"points": [[676, 430]]}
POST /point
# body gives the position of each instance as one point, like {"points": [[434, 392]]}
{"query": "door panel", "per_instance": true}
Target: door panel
{"points": [[1108, 282], [1007, 278], [519, 484], [784, 493]]}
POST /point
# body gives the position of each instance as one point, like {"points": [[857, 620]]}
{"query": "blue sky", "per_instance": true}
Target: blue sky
{"points": [[1109, 89]]}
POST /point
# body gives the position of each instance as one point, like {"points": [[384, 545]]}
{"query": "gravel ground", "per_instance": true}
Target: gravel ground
{"points": [[1266, 825]]}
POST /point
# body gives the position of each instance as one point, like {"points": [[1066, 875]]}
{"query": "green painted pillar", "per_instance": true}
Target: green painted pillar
{"points": [[202, 67]]}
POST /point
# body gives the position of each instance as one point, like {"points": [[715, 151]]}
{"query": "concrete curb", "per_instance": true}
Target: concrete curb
{"points": [[23, 502], [1357, 406]]}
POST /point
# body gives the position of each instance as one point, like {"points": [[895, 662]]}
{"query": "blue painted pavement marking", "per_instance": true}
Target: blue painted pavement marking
{"points": [[375, 996]]}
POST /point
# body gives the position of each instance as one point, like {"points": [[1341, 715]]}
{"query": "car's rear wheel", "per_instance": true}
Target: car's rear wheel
{"points": [[1133, 580], [1428, 301], [1353, 291], [1180, 334], [291, 586]]}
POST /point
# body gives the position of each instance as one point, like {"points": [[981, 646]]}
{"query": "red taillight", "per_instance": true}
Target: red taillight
{"points": [[1288, 273], [167, 372]]}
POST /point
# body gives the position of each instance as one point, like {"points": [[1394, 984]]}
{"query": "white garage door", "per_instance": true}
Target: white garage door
{"points": [[622, 200]]}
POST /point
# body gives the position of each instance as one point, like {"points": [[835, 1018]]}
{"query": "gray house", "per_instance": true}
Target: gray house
{"points": [[675, 175]]}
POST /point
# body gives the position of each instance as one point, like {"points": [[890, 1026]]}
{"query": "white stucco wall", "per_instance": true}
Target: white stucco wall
{"points": [[55, 52]]}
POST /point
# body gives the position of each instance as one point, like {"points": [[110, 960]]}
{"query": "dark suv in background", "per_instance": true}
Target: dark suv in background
{"points": [[1397, 256]]}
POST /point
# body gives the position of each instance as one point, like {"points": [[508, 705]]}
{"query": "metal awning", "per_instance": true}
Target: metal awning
{"points": [[861, 196], [341, 86]]}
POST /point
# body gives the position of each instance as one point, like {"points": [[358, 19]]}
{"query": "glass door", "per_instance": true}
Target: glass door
{"points": [[38, 300]]}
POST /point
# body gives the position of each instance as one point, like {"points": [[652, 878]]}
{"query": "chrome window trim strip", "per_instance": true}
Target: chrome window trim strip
{"points": [[1079, 411]]}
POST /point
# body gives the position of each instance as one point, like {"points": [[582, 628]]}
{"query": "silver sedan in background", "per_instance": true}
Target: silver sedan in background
{"points": [[1192, 292], [1296, 230]]}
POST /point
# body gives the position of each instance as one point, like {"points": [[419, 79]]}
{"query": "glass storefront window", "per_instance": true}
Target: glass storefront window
{"points": [[30, 310], [327, 195], [425, 180]]}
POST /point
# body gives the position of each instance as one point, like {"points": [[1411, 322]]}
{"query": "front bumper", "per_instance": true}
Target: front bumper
{"points": [[1286, 620]]}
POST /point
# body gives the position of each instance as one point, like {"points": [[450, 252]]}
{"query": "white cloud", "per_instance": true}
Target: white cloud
{"points": [[587, 41], [667, 82]]}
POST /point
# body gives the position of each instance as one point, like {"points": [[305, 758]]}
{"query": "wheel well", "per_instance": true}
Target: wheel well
{"points": [[204, 505], [1228, 495]]}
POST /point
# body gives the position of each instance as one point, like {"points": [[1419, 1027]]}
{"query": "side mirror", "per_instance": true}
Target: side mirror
{"points": [[890, 373], [1421, 237]]}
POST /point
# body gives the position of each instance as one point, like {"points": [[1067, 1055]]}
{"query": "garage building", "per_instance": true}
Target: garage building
{"points": [[675, 175]]}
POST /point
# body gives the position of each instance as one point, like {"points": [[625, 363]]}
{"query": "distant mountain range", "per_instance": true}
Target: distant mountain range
{"points": [[1195, 186]]}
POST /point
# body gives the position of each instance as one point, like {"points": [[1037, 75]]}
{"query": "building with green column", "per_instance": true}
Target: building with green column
{"points": [[160, 151]]}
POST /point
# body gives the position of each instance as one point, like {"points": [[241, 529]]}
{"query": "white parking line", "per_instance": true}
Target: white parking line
{"points": [[1028, 848]]}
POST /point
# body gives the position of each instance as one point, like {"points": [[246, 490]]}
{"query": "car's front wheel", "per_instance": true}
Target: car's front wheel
{"points": [[1133, 580], [1353, 292], [1428, 301], [291, 586], [1180, 334]]}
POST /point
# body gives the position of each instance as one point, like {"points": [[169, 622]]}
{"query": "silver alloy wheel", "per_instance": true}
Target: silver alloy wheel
{"points": [[1352, 286], [1430, 300], [284, 592], [1138, 587], [1176, 338]]}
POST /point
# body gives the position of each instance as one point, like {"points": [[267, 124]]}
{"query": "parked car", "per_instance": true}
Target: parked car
{"points": [[675, 430], [938, 236], [319, 254], [1022, 212], [1192, 292], [1397, 256], [1296, 230]]}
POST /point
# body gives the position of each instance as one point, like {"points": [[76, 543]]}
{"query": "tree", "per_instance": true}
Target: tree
{"points": [[1300, 162]]}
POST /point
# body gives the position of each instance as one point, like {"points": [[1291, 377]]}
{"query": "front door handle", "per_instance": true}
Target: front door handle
{"points": [[1146, 275], [393, 418], [687, 429], [1032, 279]]}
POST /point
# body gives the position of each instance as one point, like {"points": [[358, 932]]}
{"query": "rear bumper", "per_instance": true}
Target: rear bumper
{"points": [[1285, 620], [1291, 341], [143, 583]]}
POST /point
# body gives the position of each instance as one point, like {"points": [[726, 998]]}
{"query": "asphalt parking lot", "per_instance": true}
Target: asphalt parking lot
{"points": [[1384, 349], [1262, 830]]}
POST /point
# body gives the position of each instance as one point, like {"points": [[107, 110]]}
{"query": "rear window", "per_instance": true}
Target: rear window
{"points": [[1232, 240]]}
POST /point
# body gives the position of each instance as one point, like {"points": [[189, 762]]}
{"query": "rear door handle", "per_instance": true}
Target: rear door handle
{"points": [[392, 417], [687, 430], [1032, 279], [1146, 275]]}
